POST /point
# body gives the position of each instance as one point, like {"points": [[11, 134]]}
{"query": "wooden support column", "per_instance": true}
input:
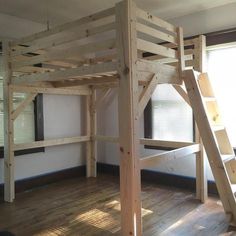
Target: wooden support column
{"points": [[9, 179], [91, 146], [201, 175], [130, 183]]}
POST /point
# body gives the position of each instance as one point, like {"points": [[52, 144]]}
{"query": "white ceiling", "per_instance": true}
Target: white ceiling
{"points": [[60, 11]]}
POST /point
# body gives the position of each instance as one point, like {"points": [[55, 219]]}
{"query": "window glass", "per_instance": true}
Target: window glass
{"points": [[172, 117], [24, 130], [222, 73]]}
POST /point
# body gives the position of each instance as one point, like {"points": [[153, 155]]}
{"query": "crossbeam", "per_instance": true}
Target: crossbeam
{"points": [[51, 142], [155, 160]]}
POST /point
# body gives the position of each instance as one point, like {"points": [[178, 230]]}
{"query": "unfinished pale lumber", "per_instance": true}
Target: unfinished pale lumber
{"points": [[51, 142], [155, 21], [9, 164], [60, 91], [146, 46], [69, 73], [92, 158], [84, 32], [65, 27], [146, 94], [130, 180], [65, 53], [155, 160], [23, 105]]}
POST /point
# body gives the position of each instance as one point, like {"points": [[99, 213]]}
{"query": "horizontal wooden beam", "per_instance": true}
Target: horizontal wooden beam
{"points": [[51, 142], [154, 160], [155, 33], [146, 46], [68, 73], [164, 143], [64, 53], [66, 26], [60, 91], [154, 20], [23, 105], [145, 141], [166, 74], [84, 32]]}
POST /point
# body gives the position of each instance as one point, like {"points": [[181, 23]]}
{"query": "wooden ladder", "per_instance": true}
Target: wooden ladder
{"points": [[214, 136]]}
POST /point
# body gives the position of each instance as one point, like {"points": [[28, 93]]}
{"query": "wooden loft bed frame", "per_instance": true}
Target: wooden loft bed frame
{"points": [[105, 50]]}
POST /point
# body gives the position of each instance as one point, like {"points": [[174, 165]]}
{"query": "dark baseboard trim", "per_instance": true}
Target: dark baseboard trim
{"points": [[160, 178], [147, 175], [42, 180]]}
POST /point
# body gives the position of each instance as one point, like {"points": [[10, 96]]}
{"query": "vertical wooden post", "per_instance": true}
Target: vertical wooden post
{"points": [[181, 59], [130, 183], [91, 146], [201, 175], [9, 179]]}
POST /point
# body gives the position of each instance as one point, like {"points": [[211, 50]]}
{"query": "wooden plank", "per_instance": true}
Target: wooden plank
{"points": [[84, 32], [181, 59], [201, 171], [62, 91], [92, 158], [146, 46], [156, 33], [166, 74], [154, 20], [9, 164], [154, 160], [88, 133], [164, 143], [87, 81], [65, 27], [130, 179], [222, 180], [62, 75], [23, 105], [182, 93], [51, 142], [65, 53], [146, 94]]}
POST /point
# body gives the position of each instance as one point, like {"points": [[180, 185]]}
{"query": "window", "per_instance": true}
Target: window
{"points": [[28, 126], [171, 117], [222, 73]]}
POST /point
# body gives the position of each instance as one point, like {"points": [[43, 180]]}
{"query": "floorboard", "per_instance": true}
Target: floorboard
{"points": [[85, 207]]}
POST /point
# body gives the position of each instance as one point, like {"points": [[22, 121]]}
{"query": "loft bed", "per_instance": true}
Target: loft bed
{"points": [[122, 47]]}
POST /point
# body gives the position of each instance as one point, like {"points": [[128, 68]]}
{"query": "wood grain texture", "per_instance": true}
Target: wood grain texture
{"points": [[85, 207]]}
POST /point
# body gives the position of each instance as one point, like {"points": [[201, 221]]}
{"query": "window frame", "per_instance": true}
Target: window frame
{"points": [[212, 39], [39, 128]]}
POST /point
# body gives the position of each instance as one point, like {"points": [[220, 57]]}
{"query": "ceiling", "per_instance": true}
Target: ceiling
{"points": [[60, 11]]}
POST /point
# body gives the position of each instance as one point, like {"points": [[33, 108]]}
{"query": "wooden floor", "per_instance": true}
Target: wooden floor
{"points": [[84, 207]]}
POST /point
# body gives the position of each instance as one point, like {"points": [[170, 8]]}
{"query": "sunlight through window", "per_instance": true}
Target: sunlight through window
{"points": [[222, 73]]}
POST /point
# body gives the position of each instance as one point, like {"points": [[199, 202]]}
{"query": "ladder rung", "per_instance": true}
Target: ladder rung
{"points": [[226, 158]]}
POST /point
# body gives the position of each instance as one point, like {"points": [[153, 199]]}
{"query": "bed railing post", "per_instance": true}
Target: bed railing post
{"points": [[201, 175], [91, 146], [9, 179], [181, 59], [130, 183]]}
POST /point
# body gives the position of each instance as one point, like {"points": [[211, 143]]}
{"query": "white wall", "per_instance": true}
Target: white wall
{"points": [[62, 118]]}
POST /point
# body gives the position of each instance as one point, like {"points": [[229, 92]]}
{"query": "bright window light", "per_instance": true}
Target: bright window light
{"points": [[222, 73]]}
